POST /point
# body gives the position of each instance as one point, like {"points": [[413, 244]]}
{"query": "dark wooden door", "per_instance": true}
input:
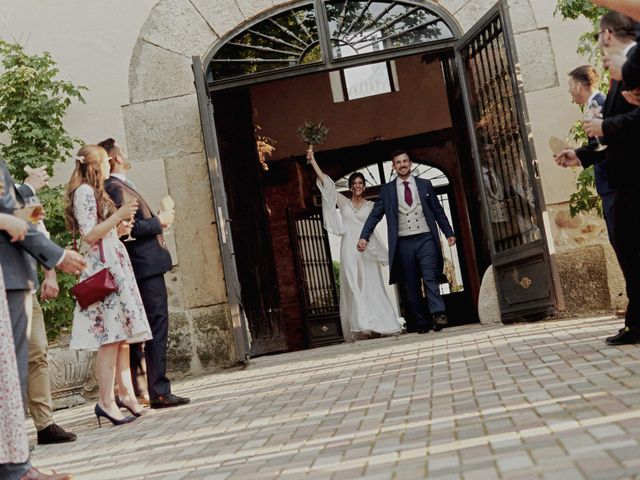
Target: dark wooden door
{"points": [[314, 272], [232, 283], [506, 168], [248, 216]]}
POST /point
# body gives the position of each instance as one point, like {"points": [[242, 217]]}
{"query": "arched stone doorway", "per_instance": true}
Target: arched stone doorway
{"points": [[163, 129]]}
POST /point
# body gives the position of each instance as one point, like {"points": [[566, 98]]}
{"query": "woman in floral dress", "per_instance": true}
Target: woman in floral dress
{"points": [[111, 324]]}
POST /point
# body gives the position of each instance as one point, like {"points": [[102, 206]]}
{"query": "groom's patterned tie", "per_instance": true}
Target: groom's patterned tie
{"points": [[408, 198]]}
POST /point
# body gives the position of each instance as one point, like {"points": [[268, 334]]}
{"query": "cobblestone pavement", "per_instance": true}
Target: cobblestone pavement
{"points": [[542, 400]]}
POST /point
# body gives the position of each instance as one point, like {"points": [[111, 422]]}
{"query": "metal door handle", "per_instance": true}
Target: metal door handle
{"points": [[536, 169]]}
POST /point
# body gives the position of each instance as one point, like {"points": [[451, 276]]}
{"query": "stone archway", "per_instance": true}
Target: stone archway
{"points": [[164, 134]]}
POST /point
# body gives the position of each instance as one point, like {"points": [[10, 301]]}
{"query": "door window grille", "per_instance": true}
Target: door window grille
{"points": [[506, 183]]}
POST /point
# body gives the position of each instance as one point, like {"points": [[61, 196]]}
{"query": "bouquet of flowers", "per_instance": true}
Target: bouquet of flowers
{"points": [[313, 133]]}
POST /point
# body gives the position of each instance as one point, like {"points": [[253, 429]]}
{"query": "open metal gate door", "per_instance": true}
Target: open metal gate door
{"points": [[507, 172], [314, 272], [205, 107]]}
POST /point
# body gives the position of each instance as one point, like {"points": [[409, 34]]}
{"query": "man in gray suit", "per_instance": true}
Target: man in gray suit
{"points": [[19, 268]]}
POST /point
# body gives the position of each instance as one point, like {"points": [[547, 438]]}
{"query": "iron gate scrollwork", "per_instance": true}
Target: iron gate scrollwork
{"points": [[507, 185], [314, 272]]}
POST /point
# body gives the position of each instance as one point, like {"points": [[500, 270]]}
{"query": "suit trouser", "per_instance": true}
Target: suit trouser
{"points": [[419, 258], [39, 391], [608, 212], [21, 310], [153, 291], [627, 223]]}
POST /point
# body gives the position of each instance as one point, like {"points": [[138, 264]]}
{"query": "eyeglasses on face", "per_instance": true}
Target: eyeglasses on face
{"points": [[596, 36]]}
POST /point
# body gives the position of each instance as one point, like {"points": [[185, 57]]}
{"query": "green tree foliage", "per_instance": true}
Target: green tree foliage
{"points": [[33, 103], [58, 313], [584, 199], [576, 9]]}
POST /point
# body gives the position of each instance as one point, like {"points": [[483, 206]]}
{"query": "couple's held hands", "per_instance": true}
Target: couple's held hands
{"points": [[451, 241], [362, 245], [567, 158]]}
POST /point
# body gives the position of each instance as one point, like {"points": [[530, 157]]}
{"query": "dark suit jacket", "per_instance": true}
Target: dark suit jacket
{"points": [[17, 258], [387, 204], [600, 169], [620, 127], [148, 252]]}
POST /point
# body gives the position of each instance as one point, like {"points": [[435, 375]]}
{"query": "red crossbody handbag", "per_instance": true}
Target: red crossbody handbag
{"points": [[95, 288]]}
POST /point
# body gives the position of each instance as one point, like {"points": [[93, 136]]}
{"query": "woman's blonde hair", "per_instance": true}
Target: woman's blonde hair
{"points": [[88, 169]]}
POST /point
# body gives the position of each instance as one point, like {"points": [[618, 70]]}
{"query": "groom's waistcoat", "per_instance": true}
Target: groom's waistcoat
{"points": [[411, 219]]}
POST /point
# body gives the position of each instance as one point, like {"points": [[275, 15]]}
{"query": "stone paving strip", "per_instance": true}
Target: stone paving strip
{"points": [[546, 400]]}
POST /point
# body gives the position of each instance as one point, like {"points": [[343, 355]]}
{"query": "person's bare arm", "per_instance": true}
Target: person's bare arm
{"points": [[312, 160], [125, 212]]}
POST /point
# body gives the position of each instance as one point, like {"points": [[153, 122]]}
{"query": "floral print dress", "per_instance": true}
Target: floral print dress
{"points": [[14, 447], [120, 316]]}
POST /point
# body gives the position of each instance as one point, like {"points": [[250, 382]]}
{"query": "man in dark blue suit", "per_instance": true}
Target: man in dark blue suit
{"points": [[150, 260], [413, 214]]}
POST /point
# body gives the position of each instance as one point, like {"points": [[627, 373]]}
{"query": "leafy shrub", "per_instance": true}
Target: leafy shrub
{"points": [[33, 104]]}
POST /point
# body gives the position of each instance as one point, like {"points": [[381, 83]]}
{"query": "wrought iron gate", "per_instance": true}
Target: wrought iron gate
{"points": [[507, 171], [314, 272]]}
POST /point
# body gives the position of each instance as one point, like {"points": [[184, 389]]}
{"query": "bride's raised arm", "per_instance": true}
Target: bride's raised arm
{"points": [[312, 160]]}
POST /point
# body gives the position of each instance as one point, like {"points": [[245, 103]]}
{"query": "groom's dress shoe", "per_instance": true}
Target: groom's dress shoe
{"points": [[168, 400], [626, 336]]}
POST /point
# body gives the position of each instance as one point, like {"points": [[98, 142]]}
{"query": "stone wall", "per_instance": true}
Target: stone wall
{"points": [[575, 239], [162, 126]]}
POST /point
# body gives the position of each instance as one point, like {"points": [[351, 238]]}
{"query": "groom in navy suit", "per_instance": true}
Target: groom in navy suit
{"points": [[413, 214]]}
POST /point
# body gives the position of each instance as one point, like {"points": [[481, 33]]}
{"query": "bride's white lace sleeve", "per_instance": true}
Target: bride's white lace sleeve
{"points": [[330, 198]]}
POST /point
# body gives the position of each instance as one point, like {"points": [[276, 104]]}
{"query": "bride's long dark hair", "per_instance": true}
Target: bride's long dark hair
{"points": [[355, 175]]}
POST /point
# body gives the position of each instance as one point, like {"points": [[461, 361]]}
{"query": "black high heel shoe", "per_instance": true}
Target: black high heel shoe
{"points": [[101, 413], [119, 404]]}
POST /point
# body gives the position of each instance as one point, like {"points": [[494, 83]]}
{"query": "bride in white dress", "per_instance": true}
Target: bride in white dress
{"points": [[365, 304]]}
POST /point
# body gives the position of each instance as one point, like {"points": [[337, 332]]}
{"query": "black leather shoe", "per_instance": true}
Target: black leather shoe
{"points": [[422, 330], [168, 400], [55, 434], [440, 321], [625, 336]]}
